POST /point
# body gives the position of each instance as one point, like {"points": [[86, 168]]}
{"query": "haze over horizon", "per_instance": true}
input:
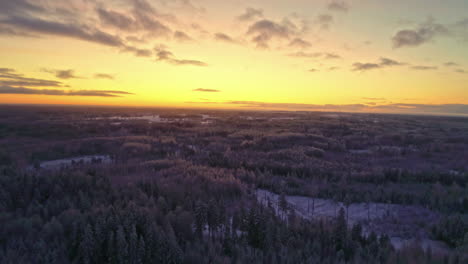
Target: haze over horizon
{"points": [[328, 55]]}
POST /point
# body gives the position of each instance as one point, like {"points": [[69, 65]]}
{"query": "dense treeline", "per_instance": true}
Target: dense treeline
{"points": [[453, 230], [182, 190], [77, 217]]}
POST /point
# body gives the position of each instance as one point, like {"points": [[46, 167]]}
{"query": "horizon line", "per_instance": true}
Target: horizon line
{"points": [[252, 109]]}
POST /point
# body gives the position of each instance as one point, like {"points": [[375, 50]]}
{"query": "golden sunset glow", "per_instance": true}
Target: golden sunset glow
{"points": [[298, 55]]}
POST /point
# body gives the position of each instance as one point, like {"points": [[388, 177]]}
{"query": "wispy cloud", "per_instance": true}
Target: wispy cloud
{"points": [[374, 98], [12, 82], [7, 31], [324, 21], [423, 33], [19, 7], [383, 63], [142, 17], [250, 14], [162, 54], [56, 92], [116, 19], [146, 53], [451, 64], [9, 77], [138, 20], [423, 68], [289, 31], [104, 76], [338, 6], [71, 30], [182, 36], [224, 37], [389, 62], [63, 74], [323, 55], [265, 30], [300, 43], [206, 90]]}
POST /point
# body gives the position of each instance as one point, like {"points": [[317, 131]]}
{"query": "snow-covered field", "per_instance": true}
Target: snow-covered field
{"points": [[149, 118], [154, 119], [61, 163], [405, 225]]}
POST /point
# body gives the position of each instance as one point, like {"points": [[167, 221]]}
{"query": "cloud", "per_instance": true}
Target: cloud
{"points": [[383, 63], [65, 30], [18, 7], [63, 74], [9, 77], [162, 54], [66, 74], [137, 51], [330, 56], [300, 43], [143, 6], [12, 82], [313, 70], [101, 93], [199, 28], [424, 33], [182, 36], [451, 64], [250, 14], [6, 31], [358, 66], [424, 68], [460, 71], [206, 90], [116, 19], [338, 6], [461, 29], [183, 5], [265, 30], [224, 37], [386, 62], [67, 21], [324, 21], [374, 98], [104, 76], [147, 18], [30, 82], [6, 70], [95, 93], [390, 62], [323, 55], [143, 17], [189, 62]]}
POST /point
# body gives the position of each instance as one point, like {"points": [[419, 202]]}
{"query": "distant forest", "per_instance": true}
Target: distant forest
{"points": [[184, 191]]}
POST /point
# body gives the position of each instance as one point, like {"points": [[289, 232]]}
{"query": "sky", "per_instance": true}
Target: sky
{"points": [[408, 56]]}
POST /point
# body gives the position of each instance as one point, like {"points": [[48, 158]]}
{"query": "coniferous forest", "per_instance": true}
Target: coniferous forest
{"points": [[101, 186]]}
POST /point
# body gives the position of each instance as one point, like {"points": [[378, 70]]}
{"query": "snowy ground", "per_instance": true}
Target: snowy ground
{"points": [[62, 163], [404, 225], [207, 119]]}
